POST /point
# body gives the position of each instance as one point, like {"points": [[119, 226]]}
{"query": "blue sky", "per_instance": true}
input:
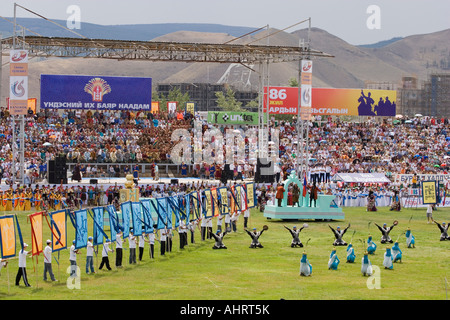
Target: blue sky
{"points": [[346, 19]]}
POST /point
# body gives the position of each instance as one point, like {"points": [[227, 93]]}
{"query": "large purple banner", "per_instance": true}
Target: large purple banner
{"points": [[95, 92]]}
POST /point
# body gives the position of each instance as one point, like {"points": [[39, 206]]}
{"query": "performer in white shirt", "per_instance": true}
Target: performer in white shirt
{"points": [[105, 251], [132, 247], [48, 262], [73, 259], [22, 272], [119, 249], [90, 256]]}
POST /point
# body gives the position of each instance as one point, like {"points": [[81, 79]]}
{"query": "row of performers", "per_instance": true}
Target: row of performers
{"points": [[23, 199]]}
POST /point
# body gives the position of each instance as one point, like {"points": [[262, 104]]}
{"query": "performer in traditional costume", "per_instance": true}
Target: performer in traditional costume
{"points": [[371, 198], [410, 239], [2, 206], [295, 236], [218, 236], [37, 199], [338, 234], [396, 253], [371, 246], [9, 202], [395, 202], [333, 262], [350, 253], [305, 266], [255, 237], [385, 230], [444, 230], [366, 265], [387, 262], [20, 200], [28, 197]]}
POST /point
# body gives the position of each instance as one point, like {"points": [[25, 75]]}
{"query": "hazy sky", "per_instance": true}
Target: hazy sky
{"points": [[346, 19]]}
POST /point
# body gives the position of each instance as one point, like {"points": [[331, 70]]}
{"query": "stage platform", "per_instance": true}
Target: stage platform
{"points": [[325, 210]]}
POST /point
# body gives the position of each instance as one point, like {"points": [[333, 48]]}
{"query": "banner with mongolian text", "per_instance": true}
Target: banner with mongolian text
{"points": [[335, 102]]}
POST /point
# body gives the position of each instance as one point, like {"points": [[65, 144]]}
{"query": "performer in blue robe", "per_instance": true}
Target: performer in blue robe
{"points": [[333, 262], [396, 253], [387, 262], [350, 254], [366, 265], [305, 266], [372, 247], [410, 240]]}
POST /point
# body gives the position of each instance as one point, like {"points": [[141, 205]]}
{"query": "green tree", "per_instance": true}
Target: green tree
{"points": [[293, 82], [228, 101]]}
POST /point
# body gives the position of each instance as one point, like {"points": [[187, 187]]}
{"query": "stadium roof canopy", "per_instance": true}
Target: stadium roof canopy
{"points": [[160, 51]]}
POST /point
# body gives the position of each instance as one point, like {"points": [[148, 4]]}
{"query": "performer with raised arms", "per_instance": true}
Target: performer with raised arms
{"points": [[218, 236], [444, 230], [385, 230], [295, 235], [338, 234], [255, 237]]}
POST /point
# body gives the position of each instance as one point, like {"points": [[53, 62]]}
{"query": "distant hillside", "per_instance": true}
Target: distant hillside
{"points": [[351, 67], [380, 44], [138, 32]]}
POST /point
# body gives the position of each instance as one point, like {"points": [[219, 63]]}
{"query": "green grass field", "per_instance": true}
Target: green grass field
{"points": [[271, 273]]}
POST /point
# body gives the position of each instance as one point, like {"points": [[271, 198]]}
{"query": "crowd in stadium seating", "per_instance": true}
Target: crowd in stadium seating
{"points": [[419, 145]]}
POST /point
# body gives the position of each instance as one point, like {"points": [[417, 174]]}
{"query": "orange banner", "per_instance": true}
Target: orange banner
{"points": [[36, 232], [59, 218], [8, 236]]}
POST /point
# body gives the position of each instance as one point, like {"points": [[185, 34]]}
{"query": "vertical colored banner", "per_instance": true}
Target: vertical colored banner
{"points": [[113, 222], [7, 236], [98, 225], [224, 200], [81, 229], [169, 214], [136, 218], [161, 205], [36, 232], [208, 205], [243, 198], [154, 107], [251, 200], [306, 90], [172, 106], [215, 201], [18, 82], [146, 212], [126, 217], [190, 107], [187, 207], [429, 192], [59, 228]]}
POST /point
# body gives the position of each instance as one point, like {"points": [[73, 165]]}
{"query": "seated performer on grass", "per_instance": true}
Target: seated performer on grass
{"points": [[350, 253], [333, 262], [338, 234], [385, 230], [218, 236], [410, 239], [372, 247], [366, 265], [255, 238], [305, 266], [295, 236], [444, 230]]}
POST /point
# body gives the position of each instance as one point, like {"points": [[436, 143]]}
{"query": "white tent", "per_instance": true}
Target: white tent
{"points": [[361, 177]]}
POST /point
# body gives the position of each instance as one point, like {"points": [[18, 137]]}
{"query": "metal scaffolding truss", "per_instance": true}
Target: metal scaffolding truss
{"points": [[159, 51]]}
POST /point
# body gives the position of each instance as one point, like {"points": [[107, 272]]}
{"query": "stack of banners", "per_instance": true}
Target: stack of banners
{"points": [[334, 102], [95, 92], [154, 107], [18, 82], [143, 216]]}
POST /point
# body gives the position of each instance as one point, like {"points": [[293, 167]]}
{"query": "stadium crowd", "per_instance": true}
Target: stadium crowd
{"points": [[418, 145]]}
